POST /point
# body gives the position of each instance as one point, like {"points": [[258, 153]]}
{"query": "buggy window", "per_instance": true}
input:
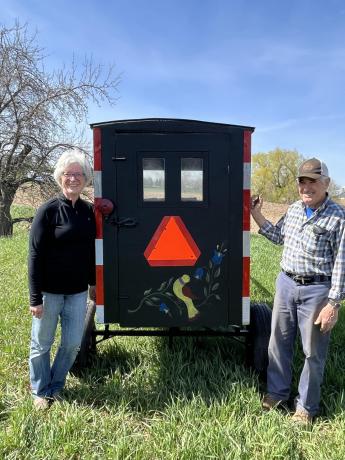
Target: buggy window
{"points": [[154, 179], [192, 175]]}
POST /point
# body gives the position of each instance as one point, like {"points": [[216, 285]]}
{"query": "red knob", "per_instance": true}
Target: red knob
{"points": [[105, 206]]}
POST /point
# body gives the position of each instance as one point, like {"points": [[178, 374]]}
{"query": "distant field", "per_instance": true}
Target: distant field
{"points": [[142, 400]]}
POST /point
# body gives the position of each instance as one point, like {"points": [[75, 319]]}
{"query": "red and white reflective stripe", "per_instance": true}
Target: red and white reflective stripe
{"points": [[97, 153], [246, 227]]}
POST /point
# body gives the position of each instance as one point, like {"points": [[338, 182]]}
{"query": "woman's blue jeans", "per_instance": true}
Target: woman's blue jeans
{"points": [[296, 307], [48, 380]]}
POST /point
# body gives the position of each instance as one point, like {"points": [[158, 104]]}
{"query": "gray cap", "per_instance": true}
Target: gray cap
{"points": [[313, 169]]}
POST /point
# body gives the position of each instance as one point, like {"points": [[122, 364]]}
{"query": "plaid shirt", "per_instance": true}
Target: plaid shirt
{"points": [[314, 246]]}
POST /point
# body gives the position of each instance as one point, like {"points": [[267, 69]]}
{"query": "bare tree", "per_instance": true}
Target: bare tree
{"points": [[40, 112]]}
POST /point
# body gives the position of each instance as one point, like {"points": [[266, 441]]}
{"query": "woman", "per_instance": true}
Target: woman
{"points": [[61, 267]]}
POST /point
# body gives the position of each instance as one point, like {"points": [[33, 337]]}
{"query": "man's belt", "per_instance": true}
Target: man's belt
{"points": [[299, 279]]}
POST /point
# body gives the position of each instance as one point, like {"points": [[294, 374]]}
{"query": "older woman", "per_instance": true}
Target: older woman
{"points": [[61, 268]]}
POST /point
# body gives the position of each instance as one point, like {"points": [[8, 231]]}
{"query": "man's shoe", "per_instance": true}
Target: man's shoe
{"points": [[41, 403], [268, 402], [302, 417]]}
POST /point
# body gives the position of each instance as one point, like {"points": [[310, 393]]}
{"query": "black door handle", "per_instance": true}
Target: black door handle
{"points": [[127, 222], [124, 222]]}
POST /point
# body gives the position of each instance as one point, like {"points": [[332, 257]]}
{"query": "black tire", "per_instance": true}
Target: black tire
{"points": [[259, 336], [88, 345]]}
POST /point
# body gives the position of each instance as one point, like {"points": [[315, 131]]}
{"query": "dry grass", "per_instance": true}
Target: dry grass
{"points": [[31, 195]]}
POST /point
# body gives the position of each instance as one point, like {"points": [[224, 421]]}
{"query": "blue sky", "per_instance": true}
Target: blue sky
{"points": [[278, 66]]}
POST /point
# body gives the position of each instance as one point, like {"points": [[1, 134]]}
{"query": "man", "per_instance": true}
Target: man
{"points": [[308, 289]]}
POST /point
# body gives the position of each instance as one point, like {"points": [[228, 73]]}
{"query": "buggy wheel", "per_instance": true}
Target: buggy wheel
{"points": [[259, 336], [88, 341]]}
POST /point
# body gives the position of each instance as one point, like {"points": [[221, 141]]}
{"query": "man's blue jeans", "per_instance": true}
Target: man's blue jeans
{"points": [[46, 380], [296, 307]]}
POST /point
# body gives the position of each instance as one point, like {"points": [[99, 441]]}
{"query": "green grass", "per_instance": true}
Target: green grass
{"points": [[142, 400]]}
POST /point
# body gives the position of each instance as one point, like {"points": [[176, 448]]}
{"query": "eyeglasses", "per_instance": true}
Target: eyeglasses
{"points": [[75, 175]]}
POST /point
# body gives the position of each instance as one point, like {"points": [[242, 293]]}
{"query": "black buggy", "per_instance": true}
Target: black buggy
{"points": [[172, 205]]}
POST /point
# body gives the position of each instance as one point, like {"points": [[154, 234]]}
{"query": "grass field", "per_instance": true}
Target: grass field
{"points": [[142, 400]]}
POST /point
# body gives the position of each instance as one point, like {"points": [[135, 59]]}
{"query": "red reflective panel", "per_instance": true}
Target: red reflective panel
{"points": [[172, 245]]}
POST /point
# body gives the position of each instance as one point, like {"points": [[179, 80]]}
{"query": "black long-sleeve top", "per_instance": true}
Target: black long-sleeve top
{"points": [[61, 248]]}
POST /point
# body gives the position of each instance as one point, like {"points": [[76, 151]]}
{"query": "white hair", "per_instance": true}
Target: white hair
{"points": [[69, 157]]}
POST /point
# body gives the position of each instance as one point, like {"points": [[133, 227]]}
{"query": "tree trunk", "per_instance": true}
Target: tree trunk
{"points": [[6, 224]]}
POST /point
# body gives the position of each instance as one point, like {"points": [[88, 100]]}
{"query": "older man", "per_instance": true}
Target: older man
{"points": [[309, 287]]}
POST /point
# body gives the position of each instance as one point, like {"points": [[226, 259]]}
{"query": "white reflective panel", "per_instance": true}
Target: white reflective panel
{"points": [[245, 311], [246, 176], [97, 183], [246, 244], [100, 314], [99, 251], [192, 176], [153, 179]]}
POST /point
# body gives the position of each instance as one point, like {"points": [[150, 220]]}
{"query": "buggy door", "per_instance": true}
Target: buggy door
{"points": [[170, 231]]}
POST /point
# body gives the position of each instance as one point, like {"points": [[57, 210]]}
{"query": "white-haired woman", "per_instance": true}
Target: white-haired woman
{"points": [[61, 270]]}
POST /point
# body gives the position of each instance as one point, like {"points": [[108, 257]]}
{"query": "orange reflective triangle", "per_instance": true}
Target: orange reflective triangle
{"points": [[172, 245]]}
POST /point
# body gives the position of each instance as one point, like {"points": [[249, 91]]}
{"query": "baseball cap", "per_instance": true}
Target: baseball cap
{"points": [[312, 168]]}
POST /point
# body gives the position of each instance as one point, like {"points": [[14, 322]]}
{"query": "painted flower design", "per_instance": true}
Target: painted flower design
{"points": [[163, 308], [199, 273], [188, 293], [217, 257]]}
